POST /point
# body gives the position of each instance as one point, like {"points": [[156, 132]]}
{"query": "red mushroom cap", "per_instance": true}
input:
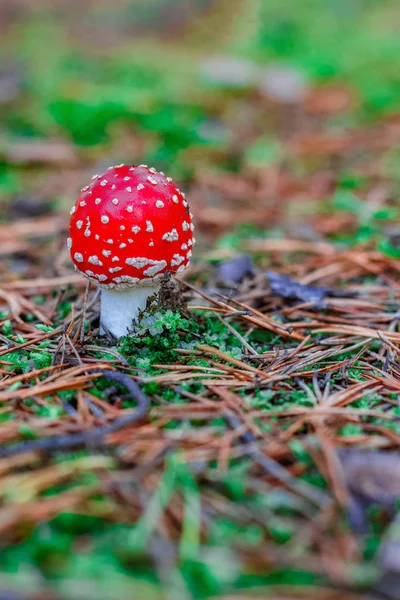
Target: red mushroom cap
{"points": [[129, 226]]}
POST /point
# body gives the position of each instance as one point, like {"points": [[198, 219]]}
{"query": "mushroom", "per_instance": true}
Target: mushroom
{"points": [[129, 226]]}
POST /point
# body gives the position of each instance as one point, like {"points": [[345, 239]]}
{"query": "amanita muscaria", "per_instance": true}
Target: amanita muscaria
{"points": [[129, 226]]}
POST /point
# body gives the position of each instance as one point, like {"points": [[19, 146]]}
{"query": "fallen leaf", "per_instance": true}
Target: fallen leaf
{"points": [[373, 476], [328, 100], [320, 144], [228, 71], [236, 269], [287, 288], [283, 84], [10, 79], [29, 206], [41, 151]]}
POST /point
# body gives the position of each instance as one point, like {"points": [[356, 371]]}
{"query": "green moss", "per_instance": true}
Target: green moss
{"points": [[157, 334]]}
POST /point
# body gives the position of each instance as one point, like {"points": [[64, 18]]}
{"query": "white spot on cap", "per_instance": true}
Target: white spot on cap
{"points": [[94, 260], [115, 269], [87, 233], [171, 236], [79, 224], [126, 279], [105, 219], [185, 226], [157, 266], [73, 209], [189, 254], [194, 241], [175, 198], [160, 204], [181, 268], [137, 261], [191, 227], [126, 178], [177, 260], [78, 257], [97, 201], [113, 187], [106, 253], [123, 245], [69, 243], [115, 259], [185, 204], [136, 229], [152, 170], [102, 277], [90, 273], [97, 236], [103, 182], [184, 247], [95, 176], [115, 201], [189, 244], [84, 189], [151, 244], [132, 168], [122, 227], [128, 189], [149, 226], [169, 179], [82, 203], [110, 241], [129, 208], [139, 187]]}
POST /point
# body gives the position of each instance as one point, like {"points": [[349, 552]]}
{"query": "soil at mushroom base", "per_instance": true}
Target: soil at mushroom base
{"points": [[129, 227]]}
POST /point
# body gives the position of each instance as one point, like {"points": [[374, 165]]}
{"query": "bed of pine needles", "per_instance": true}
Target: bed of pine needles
{"points": [[287, 420]]}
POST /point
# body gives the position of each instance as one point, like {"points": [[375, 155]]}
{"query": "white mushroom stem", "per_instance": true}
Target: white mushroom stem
{"points": [[120, 308]]}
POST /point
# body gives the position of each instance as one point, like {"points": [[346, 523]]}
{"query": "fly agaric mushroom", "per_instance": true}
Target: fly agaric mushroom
{"points": [[129, 226]]}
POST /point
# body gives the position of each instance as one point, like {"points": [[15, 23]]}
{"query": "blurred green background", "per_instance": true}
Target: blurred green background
{"points": [[185, 85]]}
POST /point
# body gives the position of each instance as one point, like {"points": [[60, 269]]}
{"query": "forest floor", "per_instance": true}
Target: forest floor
{"points": [[262, 459]]}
